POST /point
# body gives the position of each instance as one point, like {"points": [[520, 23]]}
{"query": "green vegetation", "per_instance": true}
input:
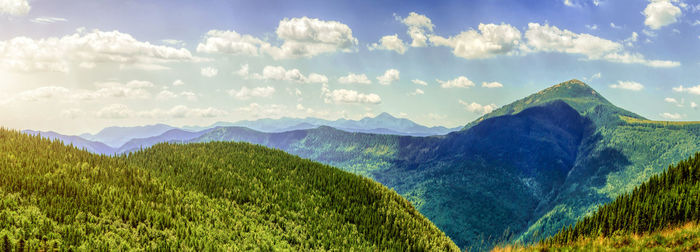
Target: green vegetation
{"points": [[670, 198], [680, 238], [196, 197], [661, 213]]}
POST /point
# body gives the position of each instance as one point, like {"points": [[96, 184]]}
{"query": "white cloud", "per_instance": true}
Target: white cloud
{"points": [[131, 90], [493, 84], [672, 116], [166, 95], [614, 26], [230, 42], [173, 42], [14, 7], [548, 38], [660, 13], [302, 37], [419, 82], [121, 111], [459, 82], [693, 90], [419, 28], [633, 38], [178, 83], [693, 105], [264, 111], [478, 108], [417, 92], [391, 43], [307, 37], [354, 78], [628, 85], [569, 3], [47, 20], [390, 76], [246, 93], [115, 111], [86, 50], [592, 27], [490, 40], [348, 96], [243, 72], [670, 100], [279, 73], [209, 72]]}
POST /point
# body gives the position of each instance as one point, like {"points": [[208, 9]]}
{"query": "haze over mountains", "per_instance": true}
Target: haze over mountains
{"points": [[520, 172], [123, 139]]}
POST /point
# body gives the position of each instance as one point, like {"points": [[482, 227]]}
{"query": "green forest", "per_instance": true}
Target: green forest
{"points": [[195, 197], [665, 200]]}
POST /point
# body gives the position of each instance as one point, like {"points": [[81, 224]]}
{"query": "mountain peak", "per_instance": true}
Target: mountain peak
{"points": [[574, 92], [384, 115]]}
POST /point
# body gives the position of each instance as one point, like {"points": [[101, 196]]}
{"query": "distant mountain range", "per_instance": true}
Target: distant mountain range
{"points": [[520, 172], [383, 123], [116, 140]]}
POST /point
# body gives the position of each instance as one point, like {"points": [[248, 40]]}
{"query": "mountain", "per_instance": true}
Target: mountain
{"points": [[383, 123], [117, 136], [78, 142], [170, 136], [668, 202], [196, 197], [519, 173]]}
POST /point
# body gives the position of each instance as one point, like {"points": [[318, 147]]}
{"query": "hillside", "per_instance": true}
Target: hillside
{"points": [[213, 196], [667, 200], [520, 173]]}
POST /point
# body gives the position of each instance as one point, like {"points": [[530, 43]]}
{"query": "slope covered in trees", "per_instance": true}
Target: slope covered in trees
{"points": [[660, 213], [209, 196], [669, 198]]}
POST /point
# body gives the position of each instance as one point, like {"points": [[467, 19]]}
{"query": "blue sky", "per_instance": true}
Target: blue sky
{"points": [[79, 66]]}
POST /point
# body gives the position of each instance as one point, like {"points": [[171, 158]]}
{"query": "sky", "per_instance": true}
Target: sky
{"points": [[79, 66]]}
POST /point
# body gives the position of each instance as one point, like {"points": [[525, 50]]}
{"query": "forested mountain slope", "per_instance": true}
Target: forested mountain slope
{"points": [[196, 197], [665, 202], [521, 172]]}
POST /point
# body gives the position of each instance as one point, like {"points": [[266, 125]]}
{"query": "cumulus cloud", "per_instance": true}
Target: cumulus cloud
{"points": [[478, 108], [302, 38], [264, 111], [417, 92], [490, 40], [246, 93], [672, 116], [121, 111], [354, 78], [419, 82], [348, 96], [546, 38], [419, 28], [660, 13], [72, 113], [692, 90], [391, 43], [178, 83], [279, 73], [209, 72], [134, 89], [115, 111], [168, 95], [459, 82], [628, 85], [493, 84], [86, 50], [14, 7], [390, 76], [230, 42]]}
